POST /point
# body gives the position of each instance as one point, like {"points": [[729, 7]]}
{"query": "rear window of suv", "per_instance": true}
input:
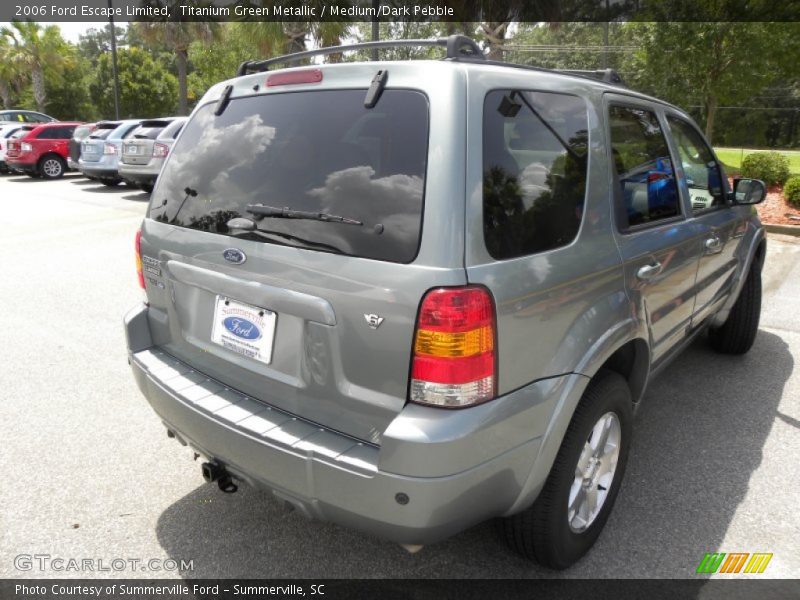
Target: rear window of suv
{"points": [[102, 132], [150, 130], [304, 153]]}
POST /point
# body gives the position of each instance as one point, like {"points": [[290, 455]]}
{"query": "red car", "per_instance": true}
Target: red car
{"points": [[41, 150]]}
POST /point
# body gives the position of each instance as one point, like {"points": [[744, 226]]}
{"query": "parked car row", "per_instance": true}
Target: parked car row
{"points": [[131, 150]]}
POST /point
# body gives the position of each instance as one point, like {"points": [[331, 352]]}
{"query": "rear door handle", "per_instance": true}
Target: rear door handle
{"points": [[649, 271]]}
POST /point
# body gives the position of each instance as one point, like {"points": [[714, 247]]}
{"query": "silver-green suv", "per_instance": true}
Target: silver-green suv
{"points": [[408, 297]]}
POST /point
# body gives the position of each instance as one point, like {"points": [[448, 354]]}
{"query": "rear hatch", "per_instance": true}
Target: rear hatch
{"points": [[15, 142], [92, 146], [138, 148], [279, 249]]}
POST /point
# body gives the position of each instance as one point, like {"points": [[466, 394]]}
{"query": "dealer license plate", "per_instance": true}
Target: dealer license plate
{"points": [[244, 329]]}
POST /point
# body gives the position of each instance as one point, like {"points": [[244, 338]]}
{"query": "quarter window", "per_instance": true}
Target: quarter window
{"points": [[534, 171], [646, 186], [702, 176]]}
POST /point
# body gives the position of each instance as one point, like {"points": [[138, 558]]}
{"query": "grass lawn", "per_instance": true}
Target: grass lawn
{"points": [[732, 157]]}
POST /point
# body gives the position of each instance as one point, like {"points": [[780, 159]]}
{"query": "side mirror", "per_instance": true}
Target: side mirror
{"points": [[749, 191]]}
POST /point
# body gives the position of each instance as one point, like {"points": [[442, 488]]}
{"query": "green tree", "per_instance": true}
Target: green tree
{"points": [[95, 42], [218, 59], [568, 45], [68, 98], [12, 73], [711, 64], [147, 89], [177, 36], [36, 49]]}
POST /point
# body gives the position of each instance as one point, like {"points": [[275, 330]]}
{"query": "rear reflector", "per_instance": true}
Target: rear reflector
{"points": [[454, 359], [295, 77], [109, 149], [138, 245]]}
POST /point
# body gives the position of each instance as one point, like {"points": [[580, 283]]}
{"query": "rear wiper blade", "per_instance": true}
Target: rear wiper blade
{"points": [[262, 210], [245, 227]]}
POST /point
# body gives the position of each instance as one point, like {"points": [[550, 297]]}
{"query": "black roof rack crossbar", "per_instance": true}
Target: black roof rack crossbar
{"points": [[458, 46], [609, 76]]}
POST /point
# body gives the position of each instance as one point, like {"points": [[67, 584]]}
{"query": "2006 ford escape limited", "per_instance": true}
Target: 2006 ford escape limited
{"points": [[411, 296]]}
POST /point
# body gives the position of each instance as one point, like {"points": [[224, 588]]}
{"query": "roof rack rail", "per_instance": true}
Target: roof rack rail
{"points": [[458, 46], [606, 75]]}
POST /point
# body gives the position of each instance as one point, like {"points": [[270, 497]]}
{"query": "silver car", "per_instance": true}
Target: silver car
{"points": [[411, 296], [144, 153], [100, 151]]}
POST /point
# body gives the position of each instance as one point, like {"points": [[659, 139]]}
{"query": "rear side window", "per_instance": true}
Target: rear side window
{"points": [[308, 153], [646, 186], [55, 133], [534, 171]]}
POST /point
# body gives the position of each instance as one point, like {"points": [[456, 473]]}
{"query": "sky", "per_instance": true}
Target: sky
{"points": [[71, 31]]}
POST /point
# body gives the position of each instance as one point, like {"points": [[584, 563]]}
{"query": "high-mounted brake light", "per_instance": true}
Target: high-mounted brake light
{"points": [[454, 360], [160, 150], [139, 270], [295, 77], [109, 149]]}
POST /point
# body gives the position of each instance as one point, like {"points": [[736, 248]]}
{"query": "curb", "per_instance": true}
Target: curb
{"points": [[783, 229]]}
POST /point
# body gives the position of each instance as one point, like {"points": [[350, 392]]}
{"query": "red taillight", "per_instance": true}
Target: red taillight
{"points": [[109, 149], [295, 77], [160, 150], [454, 359], [139, 271]]}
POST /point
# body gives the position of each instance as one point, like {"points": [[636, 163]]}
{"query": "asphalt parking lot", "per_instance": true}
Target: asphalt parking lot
{"points": [[88, 472]]}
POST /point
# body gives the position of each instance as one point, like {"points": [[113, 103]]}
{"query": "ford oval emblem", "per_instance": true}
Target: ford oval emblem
{"points": [[242, 328], [234, 255]]}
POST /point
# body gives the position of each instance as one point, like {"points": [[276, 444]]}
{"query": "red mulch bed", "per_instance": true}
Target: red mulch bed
{"points": [[775, 210]]}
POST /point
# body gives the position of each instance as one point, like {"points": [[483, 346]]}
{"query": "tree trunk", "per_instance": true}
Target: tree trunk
{"points": [[183, 68], [39, 91], [495, 34], [711, 112], [5, 94]]}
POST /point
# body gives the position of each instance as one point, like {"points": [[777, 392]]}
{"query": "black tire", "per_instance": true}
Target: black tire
{"points": [[111, 182], [542, 532], [738, 332], [52, 166], [146, 187]]}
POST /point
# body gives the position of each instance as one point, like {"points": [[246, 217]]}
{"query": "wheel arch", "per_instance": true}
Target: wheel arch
{"points": [[51, 154]]}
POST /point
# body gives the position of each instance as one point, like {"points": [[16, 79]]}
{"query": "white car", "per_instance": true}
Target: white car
{"points": [[6, 131]]}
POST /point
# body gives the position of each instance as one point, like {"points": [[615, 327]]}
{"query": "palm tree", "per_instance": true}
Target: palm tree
{"points": [[177, 35], [271, 38], [34, 48], [11, 75]]}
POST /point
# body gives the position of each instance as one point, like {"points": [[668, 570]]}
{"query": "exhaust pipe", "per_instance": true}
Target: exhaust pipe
{"points": [[213, 471]]}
